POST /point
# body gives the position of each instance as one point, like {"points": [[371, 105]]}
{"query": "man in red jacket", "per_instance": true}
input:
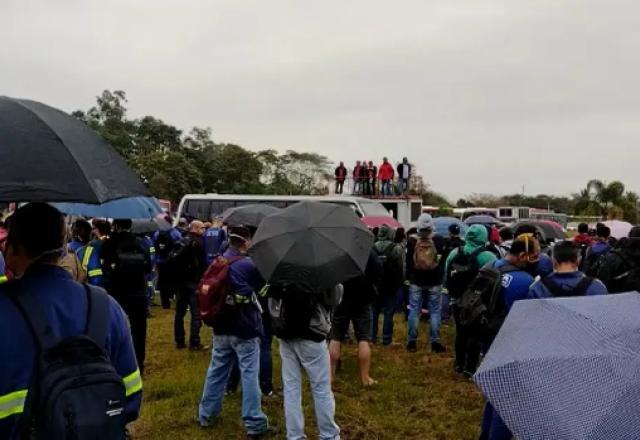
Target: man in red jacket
{"points": [[385, 174]]}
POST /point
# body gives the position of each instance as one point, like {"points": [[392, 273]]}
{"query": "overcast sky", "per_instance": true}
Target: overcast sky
{"points": [[482, 95]]}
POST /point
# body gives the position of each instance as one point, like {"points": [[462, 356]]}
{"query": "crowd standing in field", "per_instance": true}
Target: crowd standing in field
{"points": [[476, 277]]}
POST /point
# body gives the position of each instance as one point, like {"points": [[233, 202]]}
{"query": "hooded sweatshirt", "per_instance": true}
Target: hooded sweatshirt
{"points": [[476, 238], [620, 270], [393, 253]]}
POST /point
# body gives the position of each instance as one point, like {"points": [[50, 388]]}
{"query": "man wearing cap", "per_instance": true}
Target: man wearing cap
{"points": [[239, 340], [35, 243]]}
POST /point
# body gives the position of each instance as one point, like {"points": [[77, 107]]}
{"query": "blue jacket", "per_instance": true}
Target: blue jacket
{"points": [[74, 245], [213, 240], [570, 279], [515, 285], [90, 257], [246, 284], [149, 247], [64, 302], [3, 276], [175, 237], [544, 267]]}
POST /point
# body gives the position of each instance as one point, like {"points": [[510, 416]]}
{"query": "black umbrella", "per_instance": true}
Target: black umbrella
{"points": [[548, 231], [248, 215], [146, 226], [50, 156], [316, 245]]}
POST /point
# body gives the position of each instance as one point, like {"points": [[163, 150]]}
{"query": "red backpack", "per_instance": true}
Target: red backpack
{"points": [[214, 289]]}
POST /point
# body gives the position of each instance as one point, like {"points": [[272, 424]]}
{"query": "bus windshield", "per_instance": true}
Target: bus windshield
{"points": [[373, 209]]}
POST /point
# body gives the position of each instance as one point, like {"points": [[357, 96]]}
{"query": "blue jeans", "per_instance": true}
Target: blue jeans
{"points": [[247, 351], [387, 307], [415, 307], [386, 188], [297, 354]]}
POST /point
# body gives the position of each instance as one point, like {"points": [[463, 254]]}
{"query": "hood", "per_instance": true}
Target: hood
{"points": [[477, 236], [386, 233], [425, 221]]}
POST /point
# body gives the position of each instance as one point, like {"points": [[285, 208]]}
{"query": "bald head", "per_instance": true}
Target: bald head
{"points": [[196, 227]]}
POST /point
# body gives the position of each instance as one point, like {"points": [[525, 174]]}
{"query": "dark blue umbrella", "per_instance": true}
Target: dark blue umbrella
{"points": [[442, 225], [481, 220], [130, 207], [567, 368]]}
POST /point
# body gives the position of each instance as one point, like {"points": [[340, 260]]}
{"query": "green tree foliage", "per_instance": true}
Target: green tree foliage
{"points": [[608, 200]]}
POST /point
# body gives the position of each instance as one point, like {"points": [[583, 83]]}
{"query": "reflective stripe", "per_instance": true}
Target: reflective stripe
{"points": [[263, 291], [3, 279], [240, 299], [152, 250], [12, 403], [95, 273], [85, 258], [149, 283], [133, 383]]}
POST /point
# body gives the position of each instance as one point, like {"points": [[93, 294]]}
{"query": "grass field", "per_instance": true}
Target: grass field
{"points": [[418, 395]]}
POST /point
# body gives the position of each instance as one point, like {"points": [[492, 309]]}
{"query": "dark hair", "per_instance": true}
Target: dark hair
{"points": [[566, 252], [81, 230], [37, 228], [524, 244], [528, 229], [583, 228], [454, 229], [123, 223], [603, 231], [506, 234], [103, 227], [400, 236], [634, 232]]}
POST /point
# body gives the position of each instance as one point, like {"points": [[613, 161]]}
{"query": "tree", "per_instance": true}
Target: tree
{"points": [[169, 175]]}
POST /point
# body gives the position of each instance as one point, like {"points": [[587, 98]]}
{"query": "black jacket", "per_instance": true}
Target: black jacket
{"points": [[125, 278], [620, 270], [363, 289], [338, 174]]}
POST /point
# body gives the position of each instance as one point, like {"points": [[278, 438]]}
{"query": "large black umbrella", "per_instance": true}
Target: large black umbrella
{"points": [[146, 226], [50, 156], [548, 230], [248, 215], [316, 245]]}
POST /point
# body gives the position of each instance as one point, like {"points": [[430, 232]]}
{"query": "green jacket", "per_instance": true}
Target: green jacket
{"points": [[476, 237]]}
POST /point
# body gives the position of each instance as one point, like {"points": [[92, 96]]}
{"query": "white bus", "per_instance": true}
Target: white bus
{"points": [[465, 213], [514, 214], [206, 206]]}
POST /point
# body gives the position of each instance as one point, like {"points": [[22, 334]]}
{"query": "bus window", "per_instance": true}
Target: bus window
{"points": [[218, 207], [377, 209], [416, 210], [505, 213], [198, 209]]}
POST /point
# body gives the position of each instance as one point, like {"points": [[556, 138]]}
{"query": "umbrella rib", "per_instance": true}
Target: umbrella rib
{"points": [[74, 158]]}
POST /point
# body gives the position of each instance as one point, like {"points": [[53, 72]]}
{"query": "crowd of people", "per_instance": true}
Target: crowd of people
{"points": [[370, 180], [423, 275]]}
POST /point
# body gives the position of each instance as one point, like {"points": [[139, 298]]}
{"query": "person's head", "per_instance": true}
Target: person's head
{"points": [[370, 163], [239, 238], [386, 233], [385, 160], [101, 228], [196, 227], [122, 224], [207, 225], [341, 163], [603, 232], [425, 225], [401, 235], [183, 223], [634, 232], [524, 252], [454, 230], [357, 162], [528, 229], [405, 160], [37, 233], [506, 234], [477, 235], [583, 228], [566, 256], [81, 231]]}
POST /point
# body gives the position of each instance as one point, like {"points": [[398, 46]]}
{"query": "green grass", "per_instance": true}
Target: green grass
{"points": [[418, 395]]}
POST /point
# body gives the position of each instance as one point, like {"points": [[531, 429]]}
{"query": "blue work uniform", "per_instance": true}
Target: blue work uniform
{"points": [[568, 279], [75, 245], [213, 241], [175, 236], [65, 304], [91, 262], [3, 275], [151, 276]]}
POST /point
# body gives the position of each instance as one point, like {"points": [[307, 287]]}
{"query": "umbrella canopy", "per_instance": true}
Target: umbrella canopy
{"points": [[567, 368], [248, 215], [481, 220], [141, 226], [50, 156], [619, 229], [130, 207], [376, 221], [316, 245], [442, 225], [548, 230]]}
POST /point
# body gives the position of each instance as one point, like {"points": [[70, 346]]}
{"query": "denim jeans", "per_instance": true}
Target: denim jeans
{"points": [[386, 188], [387, 307], [187, 297], [297, 354], [225, 349], [415, 307], [404, 185], [266, 366]]}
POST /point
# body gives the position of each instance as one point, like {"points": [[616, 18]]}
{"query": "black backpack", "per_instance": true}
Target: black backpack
{"points": [[164, 244], [129, 268], [629, 280], [291, 310], [75, 392], [558, 291], [462, 270], [482, 306], [593, 260], [583, 255], [392, 276]]}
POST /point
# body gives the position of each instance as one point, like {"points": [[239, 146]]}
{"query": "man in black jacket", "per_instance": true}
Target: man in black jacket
{"points": [[189, 263], [341, 175], [126, 262], [620, 268]]}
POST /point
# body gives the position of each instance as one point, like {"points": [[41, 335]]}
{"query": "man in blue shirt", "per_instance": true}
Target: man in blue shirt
{"points": [[34, 246], [594, 255], [163, 243], [214, 237], [239, 339], [567, 280]]}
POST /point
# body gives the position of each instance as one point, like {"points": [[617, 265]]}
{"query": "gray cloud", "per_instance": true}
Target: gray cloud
{"points": [[539, 93]]}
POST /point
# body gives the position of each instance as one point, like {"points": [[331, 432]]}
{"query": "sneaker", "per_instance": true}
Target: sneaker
{"points": [[437, 347], [412, 347], [266, 433]]}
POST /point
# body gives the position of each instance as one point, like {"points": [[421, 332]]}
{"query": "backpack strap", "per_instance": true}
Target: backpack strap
{"points": [[36, 319], [98, 316], [582, 287], [579, 289]]}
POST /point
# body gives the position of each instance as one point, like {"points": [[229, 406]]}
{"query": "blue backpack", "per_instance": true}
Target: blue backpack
{"points": [[75, 392]]}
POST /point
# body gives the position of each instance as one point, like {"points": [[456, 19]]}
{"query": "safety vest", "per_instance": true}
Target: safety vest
{"points": [[92, 264]]}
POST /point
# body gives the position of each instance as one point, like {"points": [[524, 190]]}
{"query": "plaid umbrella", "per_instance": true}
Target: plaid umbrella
{"points": [[567, 368]]}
